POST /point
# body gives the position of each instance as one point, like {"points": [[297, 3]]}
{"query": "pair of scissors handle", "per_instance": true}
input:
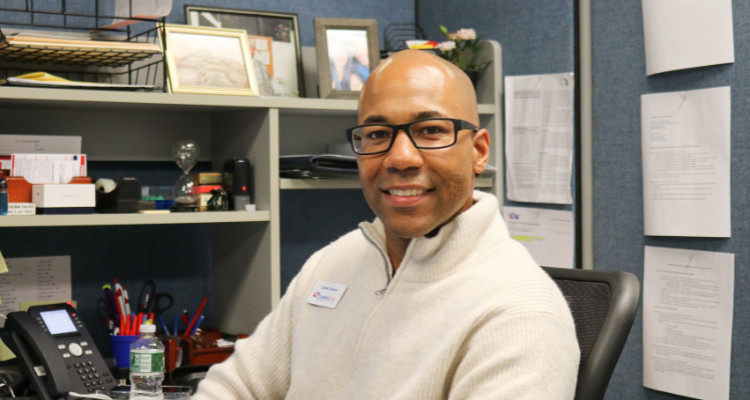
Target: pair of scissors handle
{"points": [[102, 310], [158, 306], [145, 299]]}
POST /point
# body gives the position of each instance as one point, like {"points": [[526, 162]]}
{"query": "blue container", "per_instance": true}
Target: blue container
{"points": [[121, 349]]}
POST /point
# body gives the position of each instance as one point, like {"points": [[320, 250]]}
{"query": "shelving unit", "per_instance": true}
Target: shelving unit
{"points": [[245, 247], [134, 219]]}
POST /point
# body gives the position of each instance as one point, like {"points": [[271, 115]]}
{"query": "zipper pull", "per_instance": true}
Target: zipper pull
{"points": [[381, 291]]}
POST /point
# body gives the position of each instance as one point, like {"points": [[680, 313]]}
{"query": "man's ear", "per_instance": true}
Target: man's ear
{"points": [[481, 150]]}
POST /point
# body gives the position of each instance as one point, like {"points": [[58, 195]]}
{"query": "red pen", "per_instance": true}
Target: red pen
{"points": [[196, 316]]}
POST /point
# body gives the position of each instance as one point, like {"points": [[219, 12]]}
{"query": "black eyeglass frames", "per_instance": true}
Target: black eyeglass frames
{"points": [[429, 134]]}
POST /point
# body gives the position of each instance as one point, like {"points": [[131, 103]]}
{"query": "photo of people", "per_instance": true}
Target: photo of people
{"points": [[348, 58]]}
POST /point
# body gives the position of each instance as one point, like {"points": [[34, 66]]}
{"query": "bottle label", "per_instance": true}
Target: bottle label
{"points": [[146, 362]]}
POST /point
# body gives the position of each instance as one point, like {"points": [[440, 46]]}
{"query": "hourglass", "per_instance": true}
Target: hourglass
{"points": [[186, 153]]}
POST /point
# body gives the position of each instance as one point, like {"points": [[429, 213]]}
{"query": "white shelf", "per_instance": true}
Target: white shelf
{"points": [[286, 183], [21, 96], [134, 219]]}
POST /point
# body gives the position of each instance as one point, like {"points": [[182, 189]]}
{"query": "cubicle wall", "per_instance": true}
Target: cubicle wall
{"points": [[619, 80], [537, 37]]}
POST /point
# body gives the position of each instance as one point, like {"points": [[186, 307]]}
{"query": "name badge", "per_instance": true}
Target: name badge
{"points": [[326, 294]]}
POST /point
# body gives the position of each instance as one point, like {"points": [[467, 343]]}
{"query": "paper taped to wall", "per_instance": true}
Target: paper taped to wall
{"points": [[683, 34], [685, 140], [34, 279], [549, 235], [688, 301], [539, 137]]}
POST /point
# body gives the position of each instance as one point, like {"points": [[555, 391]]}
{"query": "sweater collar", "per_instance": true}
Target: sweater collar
{"points": [[457, 243]]}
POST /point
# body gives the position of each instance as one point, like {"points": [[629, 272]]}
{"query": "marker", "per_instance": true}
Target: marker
{"points": [[127, 301], [176, 319], [163, 326], [197, 324]]}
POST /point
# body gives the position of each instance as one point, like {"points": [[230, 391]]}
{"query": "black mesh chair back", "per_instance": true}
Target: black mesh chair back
{"points": [[603, 304]]}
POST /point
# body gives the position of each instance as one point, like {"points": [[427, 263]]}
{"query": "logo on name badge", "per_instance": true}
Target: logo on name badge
{"points": [[326, 294]]}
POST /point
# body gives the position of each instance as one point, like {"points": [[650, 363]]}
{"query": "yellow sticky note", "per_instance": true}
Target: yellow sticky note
{"points": [[5, 353], [3, 265], [24, 305]]}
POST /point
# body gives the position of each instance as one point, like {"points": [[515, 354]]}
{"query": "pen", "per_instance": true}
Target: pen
{"points": [[164, 326], [197, 313], [197, 324], [127, 301], [176, 319]]}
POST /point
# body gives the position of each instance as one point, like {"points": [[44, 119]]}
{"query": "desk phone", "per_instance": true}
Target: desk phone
{"points": [[56, 352]]}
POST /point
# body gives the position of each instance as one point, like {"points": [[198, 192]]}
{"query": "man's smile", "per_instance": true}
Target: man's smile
{"points": [[406, 196]]}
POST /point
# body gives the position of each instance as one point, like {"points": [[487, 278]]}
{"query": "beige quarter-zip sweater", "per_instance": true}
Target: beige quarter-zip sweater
{"points": [[468, 315]]}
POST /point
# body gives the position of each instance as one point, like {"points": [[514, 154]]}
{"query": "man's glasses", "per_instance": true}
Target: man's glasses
{"points": [[429, 134]]}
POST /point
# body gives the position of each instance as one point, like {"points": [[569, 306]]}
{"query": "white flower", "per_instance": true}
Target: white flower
{"points": [[446, 46], [466, 34]]}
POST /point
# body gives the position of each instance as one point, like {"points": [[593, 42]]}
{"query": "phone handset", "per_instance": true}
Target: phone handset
{"points": [[54, 375]]}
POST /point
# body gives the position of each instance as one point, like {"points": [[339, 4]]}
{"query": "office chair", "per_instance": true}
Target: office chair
{"points": [[603, 304]]}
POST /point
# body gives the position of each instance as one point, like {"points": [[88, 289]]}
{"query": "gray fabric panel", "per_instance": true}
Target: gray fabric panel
{"points": [[619, 81]]}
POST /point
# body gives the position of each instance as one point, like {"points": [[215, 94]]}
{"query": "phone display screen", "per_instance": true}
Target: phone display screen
{"points": [[58, 321]]}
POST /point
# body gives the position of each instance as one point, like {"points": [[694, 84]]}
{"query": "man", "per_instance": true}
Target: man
{"points": [[440, 303]]}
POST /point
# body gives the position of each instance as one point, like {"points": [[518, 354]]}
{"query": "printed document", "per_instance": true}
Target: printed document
{"points": [[683, 34], [688, 299], [34, 279], [12, 144], [685, 146], [549, 235], [539, 137]]}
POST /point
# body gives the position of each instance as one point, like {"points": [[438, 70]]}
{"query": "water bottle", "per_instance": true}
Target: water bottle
{"points": [[3, 197], [146, 365]]}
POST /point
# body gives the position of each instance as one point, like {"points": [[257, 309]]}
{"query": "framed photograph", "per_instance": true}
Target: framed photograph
{"points": [[273, 41], [208, 61], [347, 50]]}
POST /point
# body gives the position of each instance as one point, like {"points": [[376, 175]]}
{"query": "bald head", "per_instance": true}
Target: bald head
{"points": [[441, 88]]}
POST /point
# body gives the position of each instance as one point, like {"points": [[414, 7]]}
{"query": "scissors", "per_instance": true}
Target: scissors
{"points": [[151, 302]]}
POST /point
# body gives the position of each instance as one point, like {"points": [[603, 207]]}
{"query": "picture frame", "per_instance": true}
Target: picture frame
{"points": [[273, 38], [347, 51], [207, 61]]}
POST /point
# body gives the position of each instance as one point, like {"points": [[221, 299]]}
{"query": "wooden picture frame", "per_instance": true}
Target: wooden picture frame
{"points": [[280, 53], [207, 61], [342, 45]]}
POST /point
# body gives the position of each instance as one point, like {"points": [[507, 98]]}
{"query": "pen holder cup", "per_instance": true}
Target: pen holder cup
{"points": [[121, 349]]}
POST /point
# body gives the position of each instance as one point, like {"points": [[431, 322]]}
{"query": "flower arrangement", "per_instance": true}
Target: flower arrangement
{"points": [[460, 49], [282, 33]]}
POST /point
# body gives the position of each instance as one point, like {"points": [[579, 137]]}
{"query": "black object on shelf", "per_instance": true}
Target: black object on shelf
{"points": [[239, 183], [63, 16], [125, 198], [396, 34], [318, 166]]}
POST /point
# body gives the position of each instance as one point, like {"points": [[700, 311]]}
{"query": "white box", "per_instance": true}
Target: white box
{"points": [[65, 195]]}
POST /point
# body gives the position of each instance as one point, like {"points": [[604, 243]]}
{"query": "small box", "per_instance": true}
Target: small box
{"points": [[21, 209], [208, 178], [63, 195]]}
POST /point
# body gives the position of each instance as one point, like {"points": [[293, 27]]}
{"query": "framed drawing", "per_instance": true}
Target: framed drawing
{"points": [[273, 40], [347, 50], [208, 61]]}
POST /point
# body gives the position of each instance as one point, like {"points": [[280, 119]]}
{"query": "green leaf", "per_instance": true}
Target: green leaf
{"points": [[444, 30]]}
